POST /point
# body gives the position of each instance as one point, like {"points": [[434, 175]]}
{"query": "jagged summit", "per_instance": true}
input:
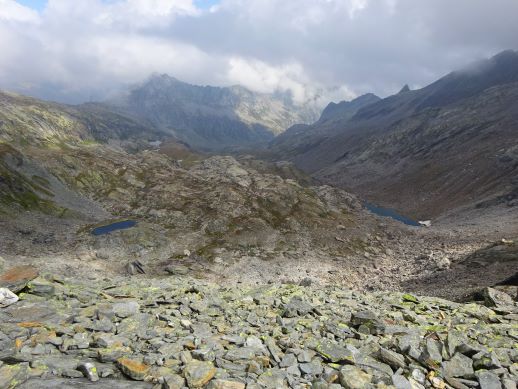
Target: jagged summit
{"points": [[208, 117], [405, 89], [346, 109]]}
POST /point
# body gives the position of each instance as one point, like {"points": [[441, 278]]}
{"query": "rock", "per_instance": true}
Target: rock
{"points": [[2, 264], [443, 263], [89, 371], [17, 278], [495, 298], [288, 360], [410, 298], [7, 297], [240, 353], [437, 383], [126, 309], [392, 358], [41, 288], [72, 374], [334, 352], [254, 342], [135, 370], [198, 373], [401, 382], [456, 383], [363, 318], [508, 383], [352, 377], [173, 381], [224, 384], [177, 270], [425, 223], [486, 361], [488, 380], [458, 366], [12, 375], [272, 379], [135, 267], [296, 307], [312, 368]]}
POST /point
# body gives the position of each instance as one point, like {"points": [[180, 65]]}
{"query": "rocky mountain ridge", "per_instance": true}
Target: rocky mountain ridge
{"points": [[211, 118], [427, 151]]}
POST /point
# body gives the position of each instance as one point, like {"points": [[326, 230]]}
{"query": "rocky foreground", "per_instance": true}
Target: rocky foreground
{"points": [[180, 332]]}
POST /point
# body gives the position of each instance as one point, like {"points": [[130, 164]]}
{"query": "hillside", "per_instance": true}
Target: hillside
{"points": [[426, 152]]}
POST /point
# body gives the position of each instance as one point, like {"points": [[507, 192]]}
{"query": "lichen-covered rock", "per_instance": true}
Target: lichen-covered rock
{"points": [[17, 278], [134, 369], [198, 373], [352, 377], [196, 333]]}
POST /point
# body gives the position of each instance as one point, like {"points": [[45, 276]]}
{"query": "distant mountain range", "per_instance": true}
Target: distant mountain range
{"points": [[207, 117], [451, 144]]}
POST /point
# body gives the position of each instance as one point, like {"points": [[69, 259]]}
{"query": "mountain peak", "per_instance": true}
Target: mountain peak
{"points": [[347, 109], [405, 89]]}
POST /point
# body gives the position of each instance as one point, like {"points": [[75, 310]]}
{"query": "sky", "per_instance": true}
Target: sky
{"points": [[318, 50]]}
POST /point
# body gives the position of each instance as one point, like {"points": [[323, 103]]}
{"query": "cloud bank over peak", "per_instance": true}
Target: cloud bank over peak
{"points": [[317, 50]]}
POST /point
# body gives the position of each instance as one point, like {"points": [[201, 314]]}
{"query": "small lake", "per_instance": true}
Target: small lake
{"points": [[392, 213], [114, 227]]}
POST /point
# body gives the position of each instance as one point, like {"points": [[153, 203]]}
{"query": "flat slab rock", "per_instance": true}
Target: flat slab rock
{"points": [[181, 332], [16, 278]]}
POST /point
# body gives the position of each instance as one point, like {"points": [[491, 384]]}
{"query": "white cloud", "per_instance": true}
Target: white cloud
{"points": [[10, 10], [324, 48]]}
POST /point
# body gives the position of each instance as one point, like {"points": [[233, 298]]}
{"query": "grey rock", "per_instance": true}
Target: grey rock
{"points": [[272, 379], [43, 289], [495, 298], [458, 366], [297, 307], [126, 309], [401, 382], [334, 352], [488, 380], [288, 360], [486, 361], [392, 358], [352, 377], [241, 353], [313, 368], [177, 270]]}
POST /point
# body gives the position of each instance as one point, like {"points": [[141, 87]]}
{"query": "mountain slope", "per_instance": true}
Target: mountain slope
{"points": [[450, 144], [208, 117], [302, 137]]}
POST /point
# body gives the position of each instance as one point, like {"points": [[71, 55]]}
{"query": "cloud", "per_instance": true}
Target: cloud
{"points": [[315, 49], [14, 12]]}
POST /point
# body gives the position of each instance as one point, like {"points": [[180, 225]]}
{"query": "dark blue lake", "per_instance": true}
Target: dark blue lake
{"points": [[392, 213], [113, 227]]}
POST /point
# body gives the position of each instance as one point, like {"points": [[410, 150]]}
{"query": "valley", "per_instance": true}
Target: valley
{"points": [[178, 229]]}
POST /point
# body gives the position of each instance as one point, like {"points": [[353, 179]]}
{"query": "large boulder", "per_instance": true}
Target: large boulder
{"points": [[17, 278], [495, 298]]}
